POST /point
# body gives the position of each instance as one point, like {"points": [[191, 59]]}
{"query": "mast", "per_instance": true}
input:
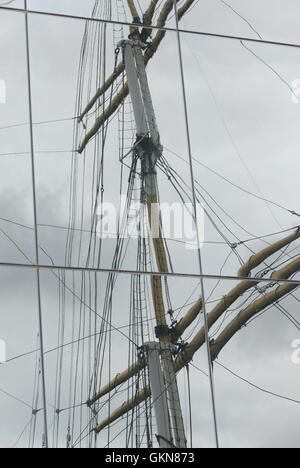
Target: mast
{"points": [[159, 356]]}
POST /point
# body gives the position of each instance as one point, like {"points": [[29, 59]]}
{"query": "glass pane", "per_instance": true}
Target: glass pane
{"points": [[86, 320], [16, 223], [244, 118], [255, 346], [20, 391], [246, 18], [115, 185]]}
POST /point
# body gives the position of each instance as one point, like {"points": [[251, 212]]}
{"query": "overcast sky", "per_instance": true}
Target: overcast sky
{"points": [[244, 125]]}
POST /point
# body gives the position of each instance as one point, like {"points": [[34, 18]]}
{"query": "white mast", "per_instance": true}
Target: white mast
{"points": [[159, 354]]}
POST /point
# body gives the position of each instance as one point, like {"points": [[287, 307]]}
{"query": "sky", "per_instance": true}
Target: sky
{"points": [[243, 125]]}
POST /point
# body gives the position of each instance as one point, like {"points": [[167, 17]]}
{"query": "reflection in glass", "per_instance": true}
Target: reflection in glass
{"points": [[253, 342], [73, 184], [245, 139], [20, 391], [108, 324], [16, 223], [245, 19], [101, 328]]}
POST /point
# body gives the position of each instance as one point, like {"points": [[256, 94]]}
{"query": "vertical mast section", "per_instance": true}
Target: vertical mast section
{"points": [[160, 401], [134, 87], [159, 355], [149, 149]]}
